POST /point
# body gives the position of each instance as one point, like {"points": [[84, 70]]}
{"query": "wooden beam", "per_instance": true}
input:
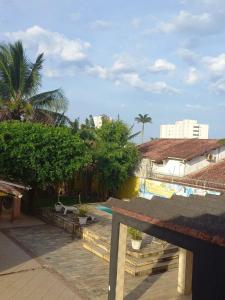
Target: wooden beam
{"points": [[0, 206], [121, 262], [16, 209], [117, 259], [185, 272]]}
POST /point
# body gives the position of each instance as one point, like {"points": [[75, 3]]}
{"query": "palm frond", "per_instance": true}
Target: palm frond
{"points": [[33, 78], [130, 137], [49, 117], [54, 101], [19, 83], [5, 77], [143, 118], [17, 68]]}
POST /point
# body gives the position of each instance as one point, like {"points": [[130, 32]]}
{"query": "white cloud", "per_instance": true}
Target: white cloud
{"points": [[100, 24], [159, 87], [51, 43], [193, 76], [124, 64], [162, 65], [215, 64], [218, 87], [186, 22], [98, 70]]}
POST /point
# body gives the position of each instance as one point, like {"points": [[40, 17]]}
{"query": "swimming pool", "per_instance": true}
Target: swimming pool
{"points": [[104, 208]]}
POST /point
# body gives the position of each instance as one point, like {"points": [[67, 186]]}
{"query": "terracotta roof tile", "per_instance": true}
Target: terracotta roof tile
{"points": [[185, 149], [212, 173]]}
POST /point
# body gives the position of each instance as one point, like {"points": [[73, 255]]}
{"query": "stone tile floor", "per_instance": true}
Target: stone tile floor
{"points": [[85, 271], [24, 278]]}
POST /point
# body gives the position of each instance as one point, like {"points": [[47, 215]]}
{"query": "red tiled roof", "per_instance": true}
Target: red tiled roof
{"points": [[185, 149], [213, 173]]}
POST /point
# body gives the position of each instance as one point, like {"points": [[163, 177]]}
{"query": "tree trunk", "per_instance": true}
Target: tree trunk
{"points": [[142, 133], [33, 199]]}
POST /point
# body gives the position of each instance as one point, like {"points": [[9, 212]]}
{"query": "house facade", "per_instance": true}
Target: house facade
{"points": [[178, 157]]}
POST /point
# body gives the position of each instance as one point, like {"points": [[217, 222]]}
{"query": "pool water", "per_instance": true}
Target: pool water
{"points": [[104, 208]]}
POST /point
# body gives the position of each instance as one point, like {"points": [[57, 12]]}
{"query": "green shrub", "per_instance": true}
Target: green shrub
{"points": [[83, 210], [135, 234], [40, 155]]}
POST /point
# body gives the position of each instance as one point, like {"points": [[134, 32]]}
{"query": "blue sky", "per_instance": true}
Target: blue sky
{"points": [[164, 58]]}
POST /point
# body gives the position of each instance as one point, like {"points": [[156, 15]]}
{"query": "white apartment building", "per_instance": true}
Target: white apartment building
{"points": [[99, 119], [186, 129]]}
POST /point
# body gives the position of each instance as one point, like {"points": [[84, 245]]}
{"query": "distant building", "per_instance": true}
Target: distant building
{"points": [[99, 119], [178, 157], [181, 167], [186, 129]]}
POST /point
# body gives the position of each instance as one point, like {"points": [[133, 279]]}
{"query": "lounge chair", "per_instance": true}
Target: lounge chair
{"points": [[59, 206]]}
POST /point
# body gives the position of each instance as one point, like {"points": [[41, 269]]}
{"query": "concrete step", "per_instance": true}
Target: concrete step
{"points": [[151, 260], [151, 250], [102, 243], [137, 266]]}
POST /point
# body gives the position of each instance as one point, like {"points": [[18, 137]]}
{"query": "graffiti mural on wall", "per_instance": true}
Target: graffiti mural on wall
{"points": [[149, 188]]}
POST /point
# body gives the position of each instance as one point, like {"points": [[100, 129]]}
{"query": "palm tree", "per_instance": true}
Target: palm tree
{"points": [[20, 80], [143, 119]]}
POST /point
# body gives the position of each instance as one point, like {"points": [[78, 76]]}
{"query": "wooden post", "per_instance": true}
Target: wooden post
{"points": [[0, 207], [121, 261], [16, 208], [185, 272], [117, 260]]}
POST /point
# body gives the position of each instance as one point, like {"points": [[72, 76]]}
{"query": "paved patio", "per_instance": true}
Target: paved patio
{"points": [[24, 220], [22, 277], [84, 271]]}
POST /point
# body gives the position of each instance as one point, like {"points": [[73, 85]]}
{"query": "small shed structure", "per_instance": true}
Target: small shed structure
{"points": [[16, 191], [195, 224]]}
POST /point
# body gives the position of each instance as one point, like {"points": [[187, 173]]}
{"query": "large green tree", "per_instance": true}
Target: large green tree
{"points": [[20, 80], [116, 158], [143, 119], [40, 155]]}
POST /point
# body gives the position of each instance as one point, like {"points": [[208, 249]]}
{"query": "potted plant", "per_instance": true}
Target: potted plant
{"points": [[82, 216], [136, 238], [58, 206]]}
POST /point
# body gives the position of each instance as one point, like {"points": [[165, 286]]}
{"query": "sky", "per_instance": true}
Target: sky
{"points": [[162, 58]]}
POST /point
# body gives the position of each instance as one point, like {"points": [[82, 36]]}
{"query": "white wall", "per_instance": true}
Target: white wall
{"points": [[169, 167], [172, 167], [201, 162]]}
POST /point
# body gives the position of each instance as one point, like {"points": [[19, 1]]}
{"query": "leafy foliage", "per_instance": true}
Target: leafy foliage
{"points": [[20, 80], [40, 155], [222, 141], [83, 210], [115, 158], [135, 234]]}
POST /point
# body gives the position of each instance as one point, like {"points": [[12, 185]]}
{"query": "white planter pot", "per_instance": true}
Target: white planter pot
{"points": [[83, 220], [136, 244], [58, 207]]}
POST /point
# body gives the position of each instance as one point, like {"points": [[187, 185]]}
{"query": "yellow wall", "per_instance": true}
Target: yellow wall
{"points": [[130, 188]]}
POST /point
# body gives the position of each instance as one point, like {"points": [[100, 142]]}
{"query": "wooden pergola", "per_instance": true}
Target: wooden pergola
{"points": [[16, 191], [195, 224]]}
